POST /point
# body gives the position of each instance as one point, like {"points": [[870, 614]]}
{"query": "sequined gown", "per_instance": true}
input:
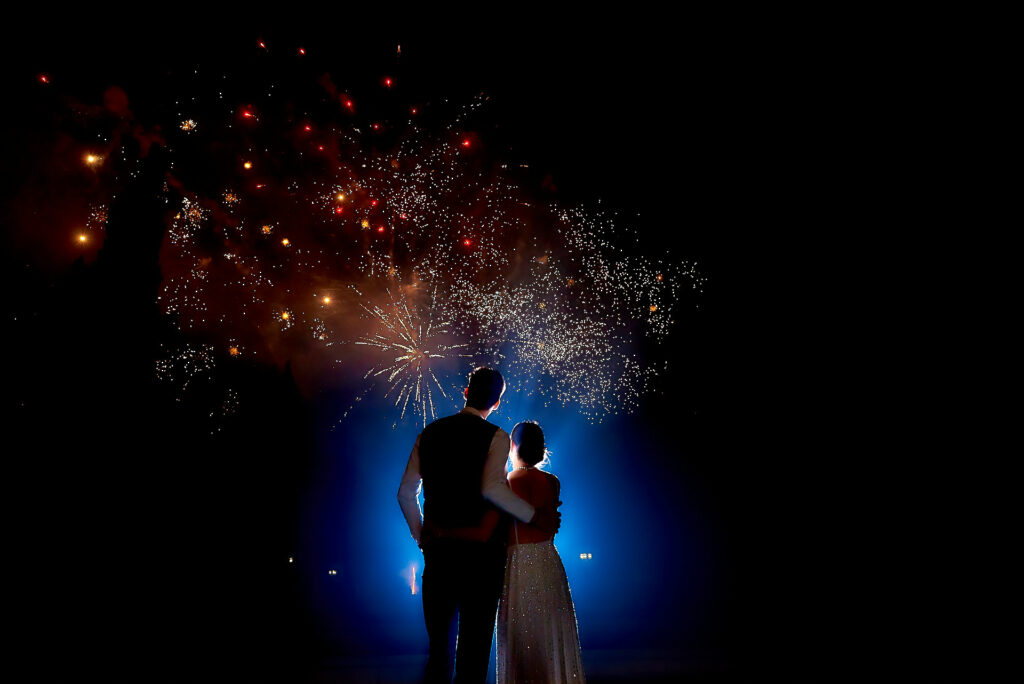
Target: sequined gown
{"points": [[538, 641]]}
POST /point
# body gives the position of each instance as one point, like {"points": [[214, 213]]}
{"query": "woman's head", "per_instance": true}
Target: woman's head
{"points": [[528, 443]]}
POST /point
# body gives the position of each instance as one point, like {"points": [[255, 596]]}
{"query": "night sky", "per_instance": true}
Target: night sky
{"points": [[152, 539]]}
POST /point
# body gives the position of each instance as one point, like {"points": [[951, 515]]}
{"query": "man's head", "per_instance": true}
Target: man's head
{"points": [[485, 389]]}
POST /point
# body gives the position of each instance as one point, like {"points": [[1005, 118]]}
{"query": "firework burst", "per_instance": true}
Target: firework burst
{"points": [[390, 250], [413, 346]]}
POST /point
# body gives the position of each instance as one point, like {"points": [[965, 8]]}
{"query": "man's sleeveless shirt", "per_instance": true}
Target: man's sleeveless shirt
{"points": [[452, 455]]}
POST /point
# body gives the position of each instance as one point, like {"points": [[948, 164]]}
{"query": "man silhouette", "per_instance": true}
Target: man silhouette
{"points": [[461, 461]]}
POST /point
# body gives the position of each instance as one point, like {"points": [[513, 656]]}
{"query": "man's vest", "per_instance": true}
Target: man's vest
{"points": [[452, 455]]}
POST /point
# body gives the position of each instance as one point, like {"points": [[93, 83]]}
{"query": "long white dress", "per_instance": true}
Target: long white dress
{"points": [[538, 639]]}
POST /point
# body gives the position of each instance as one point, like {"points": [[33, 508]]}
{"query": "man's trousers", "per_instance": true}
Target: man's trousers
{"points": [[462, 583]]}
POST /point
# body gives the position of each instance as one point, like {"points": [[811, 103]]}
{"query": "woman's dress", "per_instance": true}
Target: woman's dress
{"points": [[538, 640]]}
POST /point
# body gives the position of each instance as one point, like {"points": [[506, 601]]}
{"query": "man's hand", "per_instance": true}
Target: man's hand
{"points": [[428, 534], [548, 519]]}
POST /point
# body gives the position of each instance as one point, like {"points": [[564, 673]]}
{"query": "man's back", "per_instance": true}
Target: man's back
{"points": [[462, 579], [452, 454]]}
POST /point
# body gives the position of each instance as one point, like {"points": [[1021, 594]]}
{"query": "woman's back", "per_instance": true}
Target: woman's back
{"points": [[540, 489]]}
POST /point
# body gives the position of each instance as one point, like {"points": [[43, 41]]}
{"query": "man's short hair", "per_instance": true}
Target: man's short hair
{"points": [[485, 388]]}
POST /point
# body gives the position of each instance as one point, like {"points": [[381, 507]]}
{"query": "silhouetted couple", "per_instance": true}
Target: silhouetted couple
{"points": [[487, 537]]}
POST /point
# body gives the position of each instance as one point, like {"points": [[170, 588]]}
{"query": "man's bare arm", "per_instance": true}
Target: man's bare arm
{"points": [[408, 492]]}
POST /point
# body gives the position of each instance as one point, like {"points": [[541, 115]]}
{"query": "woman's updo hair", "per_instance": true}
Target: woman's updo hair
{"points": [[529, 441]]}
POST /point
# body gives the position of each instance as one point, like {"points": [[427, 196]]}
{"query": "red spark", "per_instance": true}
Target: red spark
{"points": [[380, 229], [465, 142], [308, 127], [404, 216], [373, 203], [320, 147], [339, 210], [348, 103], [376, 127], [43, 78], [302, 51], [387, 82], [415, 111], [467, 242], [263, 45]]}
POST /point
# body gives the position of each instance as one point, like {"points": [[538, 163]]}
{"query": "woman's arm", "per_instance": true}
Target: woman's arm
{"points": [[556, 485]]}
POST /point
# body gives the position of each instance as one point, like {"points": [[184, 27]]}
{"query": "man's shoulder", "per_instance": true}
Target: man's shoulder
{"points": [[453, 419], [446, 419], [463, 420]]}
